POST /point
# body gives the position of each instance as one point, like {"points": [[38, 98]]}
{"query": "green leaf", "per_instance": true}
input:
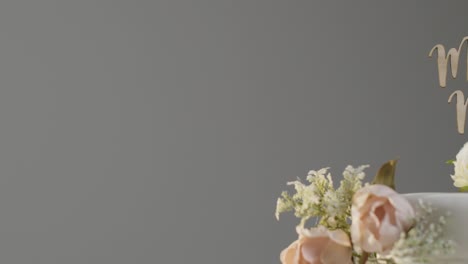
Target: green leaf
{"points": [[450, 162], [364, 258], [386, 174], [464, 189]]}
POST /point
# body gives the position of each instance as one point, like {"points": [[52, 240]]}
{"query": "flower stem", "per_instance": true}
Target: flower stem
{"points": [[363, 258]]}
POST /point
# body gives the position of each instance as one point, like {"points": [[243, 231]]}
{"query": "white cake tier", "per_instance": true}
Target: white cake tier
{"points": [[457, 222]]}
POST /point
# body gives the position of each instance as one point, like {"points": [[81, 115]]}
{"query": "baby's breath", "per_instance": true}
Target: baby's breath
{"points": [[425, 241], [320, 199]]}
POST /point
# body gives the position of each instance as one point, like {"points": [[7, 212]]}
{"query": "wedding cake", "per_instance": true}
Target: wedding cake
{"points": [[456, 206]]}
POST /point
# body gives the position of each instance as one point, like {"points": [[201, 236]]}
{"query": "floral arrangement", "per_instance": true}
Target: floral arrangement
{"points": [[359, 223]]}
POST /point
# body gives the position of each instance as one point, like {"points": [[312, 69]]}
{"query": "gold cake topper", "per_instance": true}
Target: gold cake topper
{"points": [[443, 59]]}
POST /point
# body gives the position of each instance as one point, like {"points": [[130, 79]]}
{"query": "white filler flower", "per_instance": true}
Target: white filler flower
{"points": [[461, 168]]}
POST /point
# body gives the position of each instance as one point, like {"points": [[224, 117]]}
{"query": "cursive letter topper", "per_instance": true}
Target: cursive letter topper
{"points": [[442, 61], [442, 65], [461, 110]]}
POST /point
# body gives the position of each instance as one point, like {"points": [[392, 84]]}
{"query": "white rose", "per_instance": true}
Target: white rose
{"points": [[461, 168]]}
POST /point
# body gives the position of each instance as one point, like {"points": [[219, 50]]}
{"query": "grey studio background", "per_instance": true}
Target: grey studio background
{"points": [[163, 131]]}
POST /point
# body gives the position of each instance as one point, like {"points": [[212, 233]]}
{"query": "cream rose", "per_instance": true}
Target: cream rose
{"points": [[318, 246], [460, 177], [379, 216]]}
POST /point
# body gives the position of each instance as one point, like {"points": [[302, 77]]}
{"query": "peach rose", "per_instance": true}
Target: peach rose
{"points": [[379, 216], [318, 246]]}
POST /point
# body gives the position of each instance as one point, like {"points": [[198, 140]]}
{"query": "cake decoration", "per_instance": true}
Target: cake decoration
{"points": [[443, 59], [460, 176], [359, 223]]}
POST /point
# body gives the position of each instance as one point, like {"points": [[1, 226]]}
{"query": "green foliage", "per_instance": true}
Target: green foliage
{"points": [[386, 174]]}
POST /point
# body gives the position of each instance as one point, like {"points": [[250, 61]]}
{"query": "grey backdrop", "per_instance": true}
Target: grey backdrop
{"points": [[163, 131]]}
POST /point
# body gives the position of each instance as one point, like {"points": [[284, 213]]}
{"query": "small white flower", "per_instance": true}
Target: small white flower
{"points": [[460, 176]]}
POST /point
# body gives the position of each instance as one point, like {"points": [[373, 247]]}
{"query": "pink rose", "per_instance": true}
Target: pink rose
{"points": [[379, 216], [318, 246]]}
